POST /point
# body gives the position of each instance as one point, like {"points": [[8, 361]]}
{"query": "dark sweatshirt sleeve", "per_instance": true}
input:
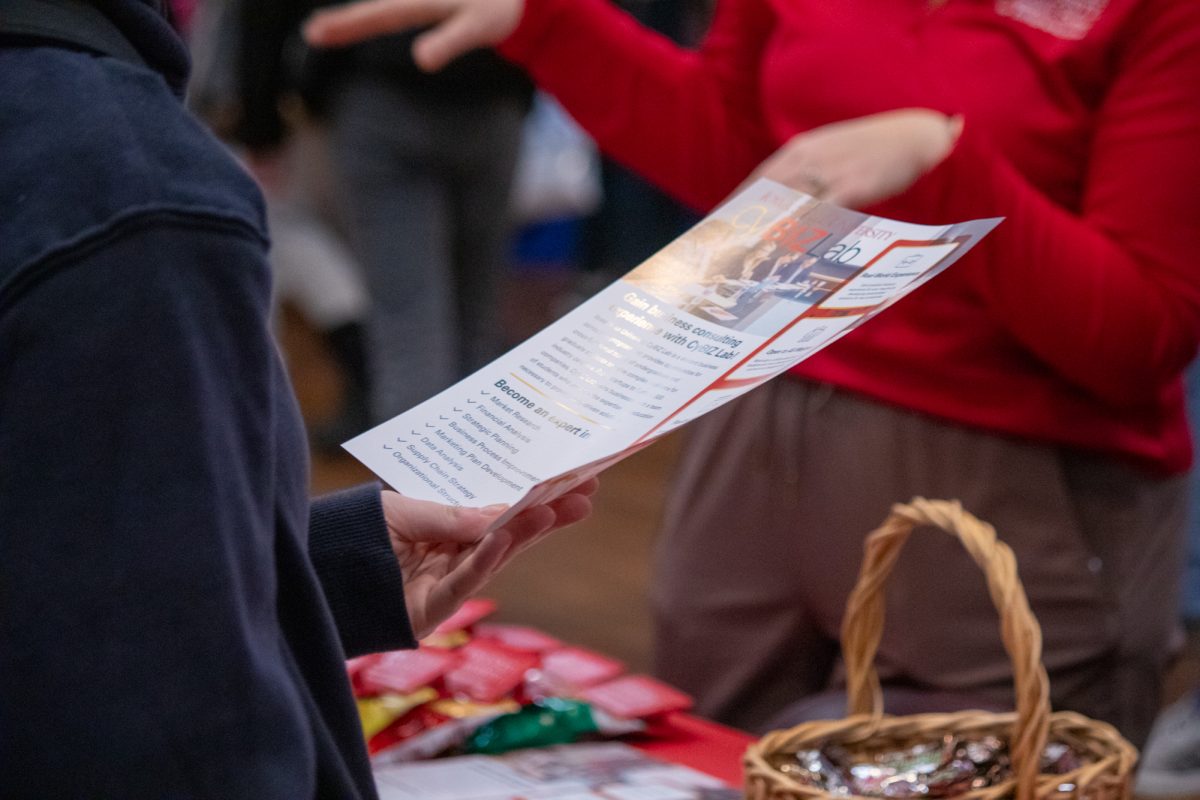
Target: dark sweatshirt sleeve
{"points": [[140, 646], [350, 549]]}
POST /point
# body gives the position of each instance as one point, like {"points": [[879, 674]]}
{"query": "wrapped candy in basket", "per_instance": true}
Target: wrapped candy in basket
{"points": [[1029, 754]]}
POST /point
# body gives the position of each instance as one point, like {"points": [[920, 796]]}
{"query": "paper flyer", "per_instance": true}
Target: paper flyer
{"points": [[610, 770], [766, 280]]}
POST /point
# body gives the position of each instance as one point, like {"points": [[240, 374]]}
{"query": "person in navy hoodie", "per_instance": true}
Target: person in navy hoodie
{"points": [[174, 612]]}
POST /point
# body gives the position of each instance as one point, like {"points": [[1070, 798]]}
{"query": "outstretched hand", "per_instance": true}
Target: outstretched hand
{"points": [[865, 160], [456, 25], [446, 554]]}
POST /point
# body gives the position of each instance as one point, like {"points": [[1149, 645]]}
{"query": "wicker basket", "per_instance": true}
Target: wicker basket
{"points": [[1108, 758]]}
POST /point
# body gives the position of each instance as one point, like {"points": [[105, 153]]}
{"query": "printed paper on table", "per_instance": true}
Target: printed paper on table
{"points": [[605, 771], [766, 280]]}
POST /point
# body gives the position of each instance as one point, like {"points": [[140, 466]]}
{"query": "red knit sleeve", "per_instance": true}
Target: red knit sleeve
{"points": [[1108, 297], [689, 121]]}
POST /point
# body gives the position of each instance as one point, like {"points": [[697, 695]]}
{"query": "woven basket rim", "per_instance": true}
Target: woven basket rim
{"points": [[1117, 762]]}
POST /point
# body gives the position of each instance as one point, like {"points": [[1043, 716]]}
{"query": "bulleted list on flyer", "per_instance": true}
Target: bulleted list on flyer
{"points": [[769, 278]]}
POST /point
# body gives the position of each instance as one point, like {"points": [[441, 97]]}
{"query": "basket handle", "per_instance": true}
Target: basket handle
{"points": [[863, 623]]}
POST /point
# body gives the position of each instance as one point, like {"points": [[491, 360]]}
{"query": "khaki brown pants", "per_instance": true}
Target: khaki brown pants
{"points": [[763, 540]]}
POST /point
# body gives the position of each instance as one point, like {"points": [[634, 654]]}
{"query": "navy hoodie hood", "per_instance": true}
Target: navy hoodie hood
{"points": [[145, 23]]}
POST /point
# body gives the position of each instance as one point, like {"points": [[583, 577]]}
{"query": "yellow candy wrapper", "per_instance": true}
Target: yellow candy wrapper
{"points": [[376, 713]]}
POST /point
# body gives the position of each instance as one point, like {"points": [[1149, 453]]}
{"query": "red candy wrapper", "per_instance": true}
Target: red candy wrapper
{"points": [[518, 637], [636, 696], [467, 615], [355, 668], [574, 668], [488, 671], [405, 671]]}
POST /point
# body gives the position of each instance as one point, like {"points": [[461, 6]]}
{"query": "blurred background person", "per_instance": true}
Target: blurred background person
{"points": [[424, 165], [1037, 381], [314, 271]]}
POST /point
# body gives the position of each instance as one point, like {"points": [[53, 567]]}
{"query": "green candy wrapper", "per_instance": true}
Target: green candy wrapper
{"points": [[549, 721]]}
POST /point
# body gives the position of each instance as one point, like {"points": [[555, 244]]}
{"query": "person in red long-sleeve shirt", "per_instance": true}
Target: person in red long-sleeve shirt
{"points": [[1037, 381]]}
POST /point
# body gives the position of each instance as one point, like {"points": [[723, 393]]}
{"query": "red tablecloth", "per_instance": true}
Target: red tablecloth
{"points": [[697, 743]]}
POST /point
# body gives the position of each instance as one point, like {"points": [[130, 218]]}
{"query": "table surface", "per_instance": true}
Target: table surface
{"points": [[697, 743]]}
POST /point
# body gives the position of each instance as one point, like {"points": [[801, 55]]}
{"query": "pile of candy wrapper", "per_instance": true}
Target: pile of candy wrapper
{"points": [[474, 687], [951, 766]]}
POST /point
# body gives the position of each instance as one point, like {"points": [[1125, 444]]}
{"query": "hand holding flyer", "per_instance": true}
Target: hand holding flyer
{"points": [[766, 280]]}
